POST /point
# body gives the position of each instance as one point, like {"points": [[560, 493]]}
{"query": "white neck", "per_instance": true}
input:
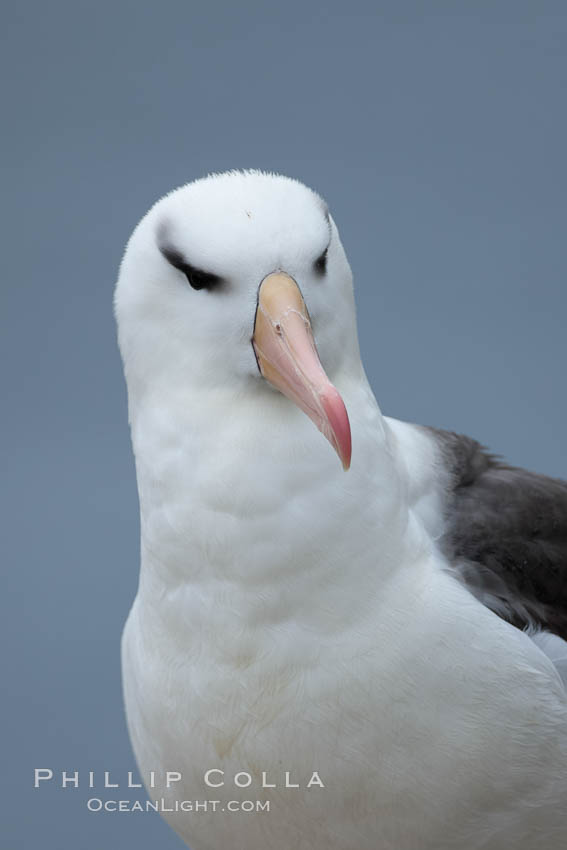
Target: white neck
{"points": [[245, 508]]}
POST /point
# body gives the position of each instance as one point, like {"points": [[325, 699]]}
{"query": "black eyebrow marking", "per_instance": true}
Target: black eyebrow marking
{"points": [[198, 278], [320, 264]]}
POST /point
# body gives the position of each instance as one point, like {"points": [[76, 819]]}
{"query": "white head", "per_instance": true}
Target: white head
{"points": [[188, 299]]}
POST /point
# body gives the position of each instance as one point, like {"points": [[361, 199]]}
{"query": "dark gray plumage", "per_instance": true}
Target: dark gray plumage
{"points": [[506, 534]]}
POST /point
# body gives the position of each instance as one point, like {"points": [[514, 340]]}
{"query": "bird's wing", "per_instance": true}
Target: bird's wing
{"points": [[506, 534]]}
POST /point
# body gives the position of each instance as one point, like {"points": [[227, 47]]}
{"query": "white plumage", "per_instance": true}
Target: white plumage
{"points": [[292, 617]]}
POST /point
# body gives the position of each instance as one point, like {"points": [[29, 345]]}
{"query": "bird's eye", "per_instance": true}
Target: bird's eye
{"points": [[197, 278], [200, 279], [320, 263]]}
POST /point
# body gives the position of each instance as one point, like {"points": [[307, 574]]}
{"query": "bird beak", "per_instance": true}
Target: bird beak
{"points": [[288, 360]]}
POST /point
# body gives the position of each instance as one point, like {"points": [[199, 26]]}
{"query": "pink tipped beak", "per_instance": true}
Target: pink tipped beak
{"points": [[287, 358]]}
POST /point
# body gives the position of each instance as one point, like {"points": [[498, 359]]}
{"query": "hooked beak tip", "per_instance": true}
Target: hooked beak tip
{"points": [[337, 417]]}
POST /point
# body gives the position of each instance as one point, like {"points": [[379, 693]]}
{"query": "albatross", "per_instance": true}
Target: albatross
{"points": [[349, 631]]}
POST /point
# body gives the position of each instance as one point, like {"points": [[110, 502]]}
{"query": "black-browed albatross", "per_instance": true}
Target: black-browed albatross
{"points": [[364, 648]]}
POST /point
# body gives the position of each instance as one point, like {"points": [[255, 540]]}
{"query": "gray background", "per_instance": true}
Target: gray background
{"points": [[436, 131]]}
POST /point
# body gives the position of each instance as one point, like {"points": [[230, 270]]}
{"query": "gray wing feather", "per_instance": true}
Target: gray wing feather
{"points": [[506, 534]]}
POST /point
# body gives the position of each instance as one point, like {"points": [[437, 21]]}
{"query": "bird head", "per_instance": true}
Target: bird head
{"points": [[240, 280]]}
